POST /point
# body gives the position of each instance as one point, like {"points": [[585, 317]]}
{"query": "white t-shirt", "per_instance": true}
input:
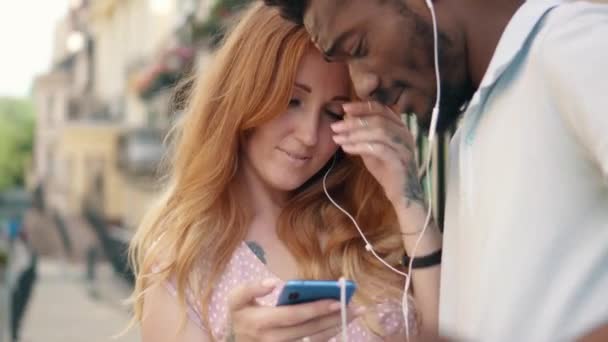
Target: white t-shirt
{"points": [[526, 234]]}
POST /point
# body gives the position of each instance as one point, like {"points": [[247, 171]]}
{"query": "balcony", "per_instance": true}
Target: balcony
{"points": [[140, 152]]}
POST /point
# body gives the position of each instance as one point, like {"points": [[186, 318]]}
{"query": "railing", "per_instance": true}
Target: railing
{"points": [[13, 205], [63, 233], [5, 290], [114, 245]]}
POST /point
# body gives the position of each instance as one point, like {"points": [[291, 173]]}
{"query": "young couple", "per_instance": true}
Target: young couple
{"points": [[300, 88]]}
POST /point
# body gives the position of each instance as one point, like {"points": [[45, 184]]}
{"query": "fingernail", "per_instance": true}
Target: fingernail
{"points": [[347, 107], [269, 282], [339, 139], [337, 126], [334, 306]]}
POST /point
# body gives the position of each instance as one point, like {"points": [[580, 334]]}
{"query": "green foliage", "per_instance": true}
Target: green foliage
{"points": [[223, 8], [16, 140]]}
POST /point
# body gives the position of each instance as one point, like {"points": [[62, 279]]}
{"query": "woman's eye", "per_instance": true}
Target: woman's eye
{"points": [[358, 50], [294, 102], [333, 116]]}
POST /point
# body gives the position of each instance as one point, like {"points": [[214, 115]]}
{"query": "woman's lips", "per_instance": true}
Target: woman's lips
{"points": [[297, 158]]}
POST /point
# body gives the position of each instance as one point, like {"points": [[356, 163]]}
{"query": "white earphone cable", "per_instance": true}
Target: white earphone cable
{"points": [[368, 245], [425, 166], [342, 282]]}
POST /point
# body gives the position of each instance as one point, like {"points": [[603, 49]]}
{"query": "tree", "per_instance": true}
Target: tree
{"points": [[16, 140]]}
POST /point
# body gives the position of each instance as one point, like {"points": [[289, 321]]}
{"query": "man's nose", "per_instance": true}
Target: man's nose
{"points": [[366, 83]]}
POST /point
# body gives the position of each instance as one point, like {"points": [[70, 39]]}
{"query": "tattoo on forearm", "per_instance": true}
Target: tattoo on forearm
{"points": [[413, 190], [257, 250], [397, 140]]}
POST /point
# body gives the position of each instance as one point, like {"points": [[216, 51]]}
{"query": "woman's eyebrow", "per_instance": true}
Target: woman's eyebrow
{"points": [[303, 87]]}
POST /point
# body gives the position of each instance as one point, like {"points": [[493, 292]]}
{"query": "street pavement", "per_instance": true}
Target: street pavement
{"points": [[65, 306]]}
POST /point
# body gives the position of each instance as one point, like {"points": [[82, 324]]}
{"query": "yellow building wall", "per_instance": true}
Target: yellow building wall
{"points": [[86, 150], [138, 197]]}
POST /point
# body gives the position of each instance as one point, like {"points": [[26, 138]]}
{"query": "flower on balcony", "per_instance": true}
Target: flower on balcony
{"points": [[164, 72]]}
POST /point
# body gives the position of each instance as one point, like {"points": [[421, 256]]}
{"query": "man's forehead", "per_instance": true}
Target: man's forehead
{"points": [[320, 20]]}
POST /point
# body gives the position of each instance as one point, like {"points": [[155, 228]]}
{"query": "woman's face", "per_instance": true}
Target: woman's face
{"points": [[285, 152]]}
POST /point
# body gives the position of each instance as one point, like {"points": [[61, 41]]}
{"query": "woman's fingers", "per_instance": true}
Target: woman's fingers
{"points": [[244, 295], [317, 320], [277, 323], [320, 328], [336, 330], [291, 315]]}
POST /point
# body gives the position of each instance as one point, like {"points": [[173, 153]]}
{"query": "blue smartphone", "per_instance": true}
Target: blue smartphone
{"points": [[304, 291]]}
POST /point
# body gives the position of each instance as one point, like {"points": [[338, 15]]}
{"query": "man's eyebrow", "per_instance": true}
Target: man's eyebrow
{"points": [[330, 50], [341, 98]]}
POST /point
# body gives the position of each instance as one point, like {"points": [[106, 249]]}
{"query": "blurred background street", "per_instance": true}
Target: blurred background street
{"points": [[88, 93], [66, 305], [89, 90]]}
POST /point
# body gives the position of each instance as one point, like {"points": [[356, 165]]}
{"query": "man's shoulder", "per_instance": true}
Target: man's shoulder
{"points": [[573, 18], [571, 30], [569, 9]]}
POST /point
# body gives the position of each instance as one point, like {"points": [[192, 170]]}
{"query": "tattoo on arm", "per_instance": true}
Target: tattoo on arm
{"points": [[257, 250], [397, 140], [413, 190]]}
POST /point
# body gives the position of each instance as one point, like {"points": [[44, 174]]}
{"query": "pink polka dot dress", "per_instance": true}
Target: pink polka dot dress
{"points": [[244, 267]]}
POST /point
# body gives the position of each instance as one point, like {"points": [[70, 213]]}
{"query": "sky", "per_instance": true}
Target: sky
{"points": [[26, 40]]}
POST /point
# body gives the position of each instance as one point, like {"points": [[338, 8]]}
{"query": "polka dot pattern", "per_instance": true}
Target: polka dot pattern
{"points": [[244, 267]]}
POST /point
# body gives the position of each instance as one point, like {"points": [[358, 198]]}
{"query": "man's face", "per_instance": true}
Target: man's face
{"points": [[388, 45]]}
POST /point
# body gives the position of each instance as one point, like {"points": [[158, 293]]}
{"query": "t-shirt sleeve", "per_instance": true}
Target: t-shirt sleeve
{"points": [[575, 64], [192, 309]]}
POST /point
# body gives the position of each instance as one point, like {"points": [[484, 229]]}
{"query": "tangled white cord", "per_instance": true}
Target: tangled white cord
{"points": [[426, 163]]}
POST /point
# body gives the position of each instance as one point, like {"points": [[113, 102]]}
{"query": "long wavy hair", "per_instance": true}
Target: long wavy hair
{"points": [[199, 220]]}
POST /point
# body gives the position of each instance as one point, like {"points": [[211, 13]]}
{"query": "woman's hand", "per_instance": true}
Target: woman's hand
{"points": [[315, 321], [374, 132]]}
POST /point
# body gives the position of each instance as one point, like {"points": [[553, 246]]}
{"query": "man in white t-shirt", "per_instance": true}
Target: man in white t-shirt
{"points": [[526, 236], [526, 226]]}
